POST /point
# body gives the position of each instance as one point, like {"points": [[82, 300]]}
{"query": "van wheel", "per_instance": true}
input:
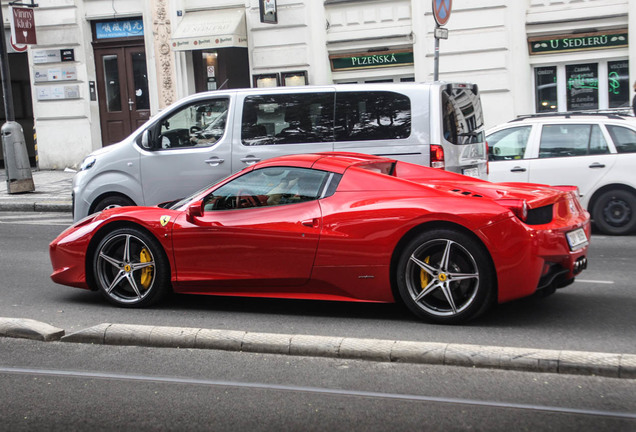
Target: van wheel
{"points": [[112, 202], [613, 212], [445, 276]]}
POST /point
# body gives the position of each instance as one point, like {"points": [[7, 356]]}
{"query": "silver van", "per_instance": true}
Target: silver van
{"points": [[208, 136]]}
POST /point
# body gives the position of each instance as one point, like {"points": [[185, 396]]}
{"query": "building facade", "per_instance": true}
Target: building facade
{"points": [[101, 68]]}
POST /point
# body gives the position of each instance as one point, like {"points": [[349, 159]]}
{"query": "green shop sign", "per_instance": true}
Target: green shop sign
{"points": [[367, 60], [580, 42]]}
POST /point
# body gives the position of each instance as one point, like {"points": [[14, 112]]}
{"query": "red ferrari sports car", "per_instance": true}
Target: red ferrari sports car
{"points": [[337, 226]]}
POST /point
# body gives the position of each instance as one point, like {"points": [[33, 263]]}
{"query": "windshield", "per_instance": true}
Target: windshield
{"points": [[175, 205]]}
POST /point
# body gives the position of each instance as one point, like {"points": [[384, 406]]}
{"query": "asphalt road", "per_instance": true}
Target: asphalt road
{"points": [[56, 386], [593, 314]]}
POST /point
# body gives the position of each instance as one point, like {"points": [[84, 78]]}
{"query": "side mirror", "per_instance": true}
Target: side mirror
{"points": [[194, 210], [145, 140]]}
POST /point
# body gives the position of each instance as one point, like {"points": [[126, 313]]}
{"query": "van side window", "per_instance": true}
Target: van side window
{"points": [[198, 125], [463, 119], [287, 119], [374, 115]]}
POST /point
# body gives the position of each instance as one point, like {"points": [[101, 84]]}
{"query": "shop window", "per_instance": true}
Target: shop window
{"points": [[618, 83], [364, 116], [546, 87], [582, 87]]}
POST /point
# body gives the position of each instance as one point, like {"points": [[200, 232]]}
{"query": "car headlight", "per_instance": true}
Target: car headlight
{"points": [[88, 162]]}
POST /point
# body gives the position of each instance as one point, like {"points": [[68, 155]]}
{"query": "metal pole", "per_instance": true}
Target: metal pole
{"points": [[16, 158], [436, 69]]}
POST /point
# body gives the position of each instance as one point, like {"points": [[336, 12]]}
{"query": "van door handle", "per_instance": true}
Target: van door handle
{"points": [[518, 169], [214, 161], [597, 165], [250, 160]]}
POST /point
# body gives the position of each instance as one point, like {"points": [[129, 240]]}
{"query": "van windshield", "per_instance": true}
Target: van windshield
{"points": [[463, 120]]}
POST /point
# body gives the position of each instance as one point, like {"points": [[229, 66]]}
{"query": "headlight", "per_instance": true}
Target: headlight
{"points": [[88, 162]]}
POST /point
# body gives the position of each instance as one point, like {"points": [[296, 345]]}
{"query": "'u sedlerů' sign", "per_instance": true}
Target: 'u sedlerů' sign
{"points": [[577, 42]]}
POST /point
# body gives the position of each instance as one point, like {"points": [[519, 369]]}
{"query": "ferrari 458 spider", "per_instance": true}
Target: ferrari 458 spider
{"points": [[336, 226]]}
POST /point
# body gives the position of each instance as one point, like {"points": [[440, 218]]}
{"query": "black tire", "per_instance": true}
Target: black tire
{"points": [[445, 276], [130, 268], [112, 201], [614, 212]]}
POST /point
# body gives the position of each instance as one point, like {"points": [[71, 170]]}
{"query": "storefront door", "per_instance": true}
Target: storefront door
{"points": [[122, 83]]}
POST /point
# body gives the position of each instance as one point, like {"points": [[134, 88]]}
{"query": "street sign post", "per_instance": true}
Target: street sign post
{"points": [[441, 13]]}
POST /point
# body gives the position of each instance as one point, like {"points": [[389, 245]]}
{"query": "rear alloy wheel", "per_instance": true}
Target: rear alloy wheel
{"points": [[130, 268], [613, 212], [444, 276]]}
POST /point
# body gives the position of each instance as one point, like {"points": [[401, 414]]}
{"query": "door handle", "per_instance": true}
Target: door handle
{"points": [[597, 165], [250, 160], [311, 223], [130, 104], [518, 169], [214, 161]]}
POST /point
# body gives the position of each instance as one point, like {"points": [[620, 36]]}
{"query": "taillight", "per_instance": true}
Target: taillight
{"points": [[518, 206], [437, 156]]}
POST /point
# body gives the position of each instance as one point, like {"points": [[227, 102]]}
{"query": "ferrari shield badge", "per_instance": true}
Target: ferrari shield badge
{"points": [[164, 220]]}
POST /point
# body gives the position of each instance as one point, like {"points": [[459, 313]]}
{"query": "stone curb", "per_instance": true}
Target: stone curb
{"points": [[478, 356], [29, 329], [41, 206]]}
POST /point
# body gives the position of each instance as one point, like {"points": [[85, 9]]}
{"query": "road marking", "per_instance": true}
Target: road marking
{"points": [[315, 390], [596, 281]]}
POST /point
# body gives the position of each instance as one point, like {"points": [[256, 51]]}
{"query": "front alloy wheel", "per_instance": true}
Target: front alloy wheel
{"points": [[130, 269], [445, 277]]}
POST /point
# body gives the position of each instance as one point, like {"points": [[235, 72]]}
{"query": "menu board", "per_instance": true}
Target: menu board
{"points": [[582, 86]]}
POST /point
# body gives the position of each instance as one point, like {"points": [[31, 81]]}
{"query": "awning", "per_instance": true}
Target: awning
{"points": [[210, 29]]}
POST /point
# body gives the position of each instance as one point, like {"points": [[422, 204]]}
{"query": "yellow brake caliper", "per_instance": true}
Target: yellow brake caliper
{"points": [[425, 278], [146, 272]]}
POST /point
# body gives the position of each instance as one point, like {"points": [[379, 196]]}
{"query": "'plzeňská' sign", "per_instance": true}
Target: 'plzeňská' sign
{"points": [[368, 60], [578, 42]]}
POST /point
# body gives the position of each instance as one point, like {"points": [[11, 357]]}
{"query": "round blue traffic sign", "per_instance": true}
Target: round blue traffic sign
{"points": [[442, 11]]}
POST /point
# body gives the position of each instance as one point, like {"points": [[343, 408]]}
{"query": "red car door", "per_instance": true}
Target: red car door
{"points": [[247, 250]]}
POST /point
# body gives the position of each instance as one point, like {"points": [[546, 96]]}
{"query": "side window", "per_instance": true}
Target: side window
{"points": [[624, 138], [198, 125], [269, 187], [287, 119], [564, 140], [598, 145], [508, 144], [365, 116]]}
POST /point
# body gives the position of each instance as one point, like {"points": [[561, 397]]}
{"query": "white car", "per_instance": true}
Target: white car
{"points": [[595, 152]]}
